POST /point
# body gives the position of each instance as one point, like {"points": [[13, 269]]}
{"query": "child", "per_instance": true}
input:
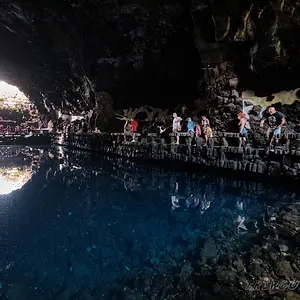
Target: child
{"points": [[198, 130], [190, 125]]}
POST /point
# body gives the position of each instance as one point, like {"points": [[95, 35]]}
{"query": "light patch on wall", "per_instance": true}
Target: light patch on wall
{"points": [[284, 97]]}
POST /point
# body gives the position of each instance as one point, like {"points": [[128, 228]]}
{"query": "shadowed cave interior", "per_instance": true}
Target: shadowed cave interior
{"points": [[77, 225]]}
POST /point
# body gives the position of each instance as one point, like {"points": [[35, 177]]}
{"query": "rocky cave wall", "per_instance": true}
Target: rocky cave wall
{"points": [[61, 53], [260, 37], [256, 43], [146, 52]]}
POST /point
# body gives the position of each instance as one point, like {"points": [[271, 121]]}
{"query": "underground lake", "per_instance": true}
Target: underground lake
{"points": [[78, 225]]}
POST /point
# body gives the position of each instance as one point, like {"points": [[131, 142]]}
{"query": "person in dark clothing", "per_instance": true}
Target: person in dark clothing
{"points": [[275, 121], [84, 127]]}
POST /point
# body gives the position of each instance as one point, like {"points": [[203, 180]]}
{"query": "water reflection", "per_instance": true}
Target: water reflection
{"points": [[17, 166], [87, 222]]}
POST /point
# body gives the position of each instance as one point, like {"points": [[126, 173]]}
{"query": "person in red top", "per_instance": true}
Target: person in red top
{"points": [[134, 126]]}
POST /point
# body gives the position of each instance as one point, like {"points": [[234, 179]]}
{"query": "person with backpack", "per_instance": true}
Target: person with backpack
{"points": [[244, 127]]}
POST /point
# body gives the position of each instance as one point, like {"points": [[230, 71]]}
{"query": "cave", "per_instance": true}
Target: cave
{"points": [[92, 209], [144, 52], [139, 53]]}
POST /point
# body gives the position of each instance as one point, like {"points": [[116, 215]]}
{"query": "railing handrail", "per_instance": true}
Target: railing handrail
{"points": [[154, 134]]}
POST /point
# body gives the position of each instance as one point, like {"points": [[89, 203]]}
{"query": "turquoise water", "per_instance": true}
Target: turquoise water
{"points": [[83, 222]]}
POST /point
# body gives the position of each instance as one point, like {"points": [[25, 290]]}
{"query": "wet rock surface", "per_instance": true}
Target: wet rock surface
{"points": [[253, 269]]}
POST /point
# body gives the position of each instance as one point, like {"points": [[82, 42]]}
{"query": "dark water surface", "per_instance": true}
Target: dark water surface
{"points": [[88, 222]]}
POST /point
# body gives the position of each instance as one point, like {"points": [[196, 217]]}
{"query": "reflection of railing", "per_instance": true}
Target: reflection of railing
{"points": [[23, 133], [289, 142], [25, 139], [284, 160], [228, 141]]}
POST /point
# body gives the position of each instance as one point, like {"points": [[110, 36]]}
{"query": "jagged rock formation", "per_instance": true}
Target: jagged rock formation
{"points": [[143, 52], [258, 36]]}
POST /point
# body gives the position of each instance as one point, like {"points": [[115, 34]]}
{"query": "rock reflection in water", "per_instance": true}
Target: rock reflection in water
{"points": [[17, 166], [87, 224]]}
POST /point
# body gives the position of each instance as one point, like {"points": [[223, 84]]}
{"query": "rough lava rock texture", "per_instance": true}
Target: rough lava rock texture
{"points": [[60, 53], [144, 51], [260, 37]]}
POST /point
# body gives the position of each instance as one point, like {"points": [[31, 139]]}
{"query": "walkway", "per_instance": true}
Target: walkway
{"points": [[222, 151]]}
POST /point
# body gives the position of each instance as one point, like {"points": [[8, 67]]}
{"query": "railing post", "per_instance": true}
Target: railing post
{"points": [[188, 140], [224, 142], [173, 138], [211, 142], [298, 142]]}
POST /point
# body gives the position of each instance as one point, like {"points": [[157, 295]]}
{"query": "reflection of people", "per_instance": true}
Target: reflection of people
{"points": [[175, 198], [129, 183], [192, 201], [240, 220], [275, 121], [241, 224], [204, 205]]}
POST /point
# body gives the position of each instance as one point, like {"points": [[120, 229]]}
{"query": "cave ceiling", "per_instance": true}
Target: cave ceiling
{"points": [[63, 53]]}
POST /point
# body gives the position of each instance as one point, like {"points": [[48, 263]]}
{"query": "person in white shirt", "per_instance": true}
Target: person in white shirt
{"points": [[176, 126]]}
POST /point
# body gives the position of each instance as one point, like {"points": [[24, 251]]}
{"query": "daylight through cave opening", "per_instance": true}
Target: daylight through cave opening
{"points": [[17, 113]]}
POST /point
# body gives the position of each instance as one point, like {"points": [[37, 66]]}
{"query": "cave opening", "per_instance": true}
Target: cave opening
{"points": [[17, 113]]}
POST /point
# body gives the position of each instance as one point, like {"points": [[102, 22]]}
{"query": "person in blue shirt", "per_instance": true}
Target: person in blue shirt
{"points": [[190, 125]]}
